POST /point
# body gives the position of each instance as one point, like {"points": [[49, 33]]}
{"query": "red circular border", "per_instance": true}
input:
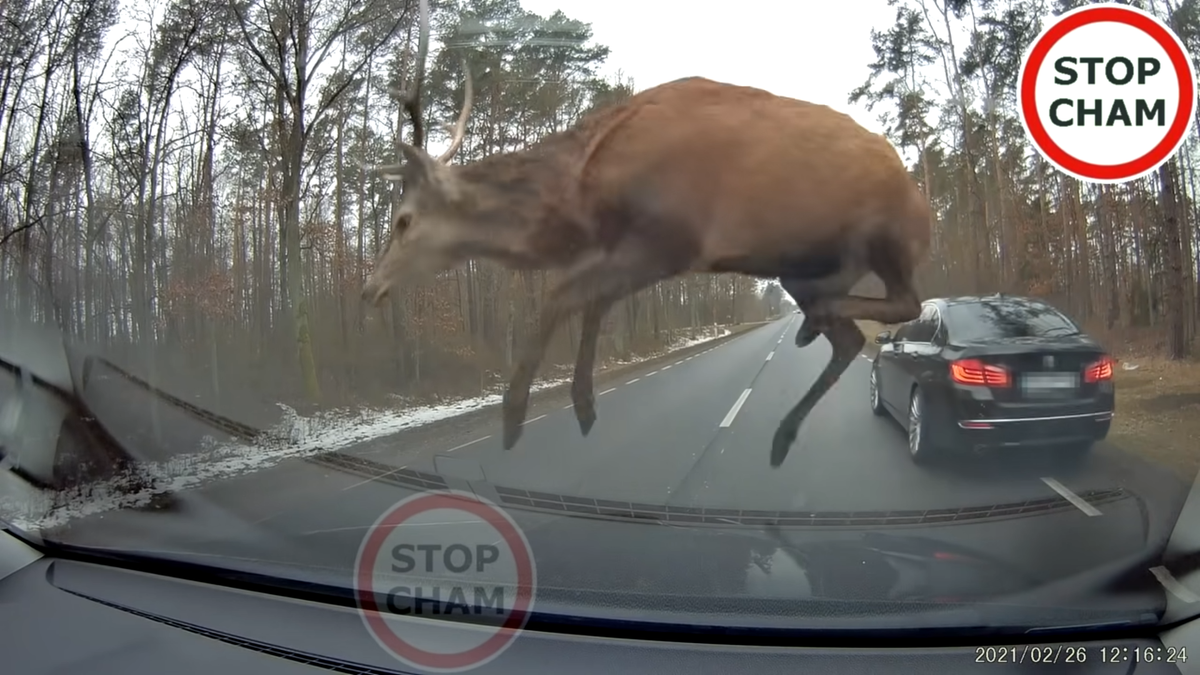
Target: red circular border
{"points": [[459, 502], [1183, 115]]}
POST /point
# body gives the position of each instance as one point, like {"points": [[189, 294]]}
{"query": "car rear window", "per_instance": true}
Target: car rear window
{"points": [[986, 320]]}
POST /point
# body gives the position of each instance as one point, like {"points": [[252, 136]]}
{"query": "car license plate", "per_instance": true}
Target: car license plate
{"points": [[1050, 384]]}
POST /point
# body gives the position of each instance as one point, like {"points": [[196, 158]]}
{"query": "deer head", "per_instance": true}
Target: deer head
{"points": [[424, 225]]}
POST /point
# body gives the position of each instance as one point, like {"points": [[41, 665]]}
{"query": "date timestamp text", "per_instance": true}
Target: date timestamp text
{"points": [[1079, 654]]}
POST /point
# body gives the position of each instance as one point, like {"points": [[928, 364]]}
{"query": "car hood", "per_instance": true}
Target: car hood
{"points": [[718, 565]]}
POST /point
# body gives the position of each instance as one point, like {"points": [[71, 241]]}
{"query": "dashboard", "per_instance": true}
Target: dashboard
{"points": [[63, 615]]}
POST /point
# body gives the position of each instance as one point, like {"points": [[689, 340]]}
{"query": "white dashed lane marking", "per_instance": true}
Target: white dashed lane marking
{"points": [[1079, 502], [728, 418], [375, 478], [477, 440], [1173, 586], [734, 410]]}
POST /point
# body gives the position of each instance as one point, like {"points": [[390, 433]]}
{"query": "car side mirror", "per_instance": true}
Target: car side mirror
{"points": [[883, 338]]}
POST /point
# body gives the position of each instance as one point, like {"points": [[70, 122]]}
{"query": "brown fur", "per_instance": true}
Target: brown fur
{"points": [[689, 176]]}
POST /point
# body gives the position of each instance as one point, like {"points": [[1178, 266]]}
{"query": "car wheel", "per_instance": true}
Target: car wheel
{"points": [[919, 445], [876, 400]]}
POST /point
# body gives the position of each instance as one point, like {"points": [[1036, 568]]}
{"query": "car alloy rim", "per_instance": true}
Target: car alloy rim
{"points": [[874, 390], [914, 425]]}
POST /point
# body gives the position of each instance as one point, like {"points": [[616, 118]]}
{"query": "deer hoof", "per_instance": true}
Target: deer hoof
{"points": [[805, 337], [514, 417], [586, 416], [780, 446], [512, 434], [585, 409]]}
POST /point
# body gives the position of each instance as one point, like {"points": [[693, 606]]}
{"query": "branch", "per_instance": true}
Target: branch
{"points": [[17, 230], [280, 81], [325, 105]]}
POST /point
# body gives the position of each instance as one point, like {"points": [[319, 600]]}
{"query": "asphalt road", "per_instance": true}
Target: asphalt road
{"points": [[697, 432], [691, 431]]}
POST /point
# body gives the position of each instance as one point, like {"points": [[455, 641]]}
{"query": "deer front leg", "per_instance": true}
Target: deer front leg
{"points": [[600, 279], [847, 341], [583, 388]]}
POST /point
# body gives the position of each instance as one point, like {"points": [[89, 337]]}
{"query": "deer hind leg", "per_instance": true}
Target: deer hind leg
{"points": [[583, 388], [847, 341], [810, 328], [812, 298], [600, 279], [894, 267]]}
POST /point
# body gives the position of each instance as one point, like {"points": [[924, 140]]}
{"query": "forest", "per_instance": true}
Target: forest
{"points": [[188, 177], [188, 174], [1119, 258]]}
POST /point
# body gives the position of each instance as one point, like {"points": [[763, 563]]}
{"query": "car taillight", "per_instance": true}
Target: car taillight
{"points": [[1100, 370], [978, 373]]}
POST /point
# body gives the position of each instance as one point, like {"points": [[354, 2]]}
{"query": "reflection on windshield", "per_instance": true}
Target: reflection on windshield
{"points": [[188, 364]]}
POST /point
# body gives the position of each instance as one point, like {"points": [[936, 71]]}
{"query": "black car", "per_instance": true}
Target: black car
{"points": [[980, 373]]}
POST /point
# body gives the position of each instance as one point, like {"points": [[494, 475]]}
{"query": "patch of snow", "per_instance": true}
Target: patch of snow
{"points": [[717, 332], [295, 437]]}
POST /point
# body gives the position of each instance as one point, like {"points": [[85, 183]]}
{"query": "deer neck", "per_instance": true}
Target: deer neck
{"points": [[523, 210]]}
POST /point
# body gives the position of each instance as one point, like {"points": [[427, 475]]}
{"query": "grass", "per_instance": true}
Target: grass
{"points": [[1158, 406], [1158, 412]]}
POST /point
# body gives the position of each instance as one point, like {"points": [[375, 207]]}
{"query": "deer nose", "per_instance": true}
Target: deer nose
{"points": [[374, 292]]}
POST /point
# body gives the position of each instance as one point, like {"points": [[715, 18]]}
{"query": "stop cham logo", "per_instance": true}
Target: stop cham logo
{"points": [[445, 581], [1107, 93]]}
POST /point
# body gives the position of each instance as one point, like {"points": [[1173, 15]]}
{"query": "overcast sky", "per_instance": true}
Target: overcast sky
{"points": [[814, 50]]}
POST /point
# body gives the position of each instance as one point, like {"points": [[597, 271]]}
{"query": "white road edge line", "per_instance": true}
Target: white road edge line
{"points": [[1172, 585], [1071, 497], [734, 410], [532, 420], [607, 391], [633, 380], [771, 354], [665, 368]]}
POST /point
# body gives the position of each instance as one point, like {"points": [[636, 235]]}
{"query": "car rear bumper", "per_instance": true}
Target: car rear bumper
{"points": [[1029, 431]]}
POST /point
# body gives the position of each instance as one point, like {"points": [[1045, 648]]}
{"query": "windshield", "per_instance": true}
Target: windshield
{"points": [[999, 320], [259, 302]]}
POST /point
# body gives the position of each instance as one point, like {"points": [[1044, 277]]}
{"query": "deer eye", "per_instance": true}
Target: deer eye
{"points": [[401, 226]]}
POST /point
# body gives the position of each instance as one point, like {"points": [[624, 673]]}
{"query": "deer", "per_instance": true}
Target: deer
{"points": [[690, 176]]}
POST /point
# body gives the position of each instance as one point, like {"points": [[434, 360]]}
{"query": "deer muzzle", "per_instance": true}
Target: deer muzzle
{"points": [[374, 291]]}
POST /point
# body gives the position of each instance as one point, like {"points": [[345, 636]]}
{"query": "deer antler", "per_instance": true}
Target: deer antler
{"points": [[411, 102], [460, 127]]}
